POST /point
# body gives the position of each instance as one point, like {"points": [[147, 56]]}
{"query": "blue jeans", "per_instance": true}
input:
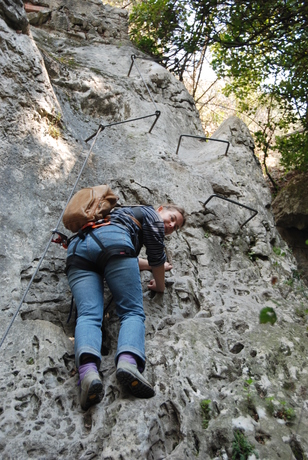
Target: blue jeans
{"points": [[123, 279]]}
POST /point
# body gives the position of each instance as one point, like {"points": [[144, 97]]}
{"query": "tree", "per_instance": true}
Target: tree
{"points": [[175, 33], [261, 46], [264, 48]]}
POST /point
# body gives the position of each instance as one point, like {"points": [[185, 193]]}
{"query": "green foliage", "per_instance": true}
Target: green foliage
{"points": [[285, 413], [279, 409], [255, 48], [176, 32], [260, 46], [270, 405], [296, 274], [279, 251], [241, 447], [301, 312], [294, 151], [153, 24], [67, 60], [289, 282], [268, 315], [248, 388], [206, 412], [53, 128]]}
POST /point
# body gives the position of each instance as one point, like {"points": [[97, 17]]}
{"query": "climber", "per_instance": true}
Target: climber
{"points": [[122, 275]]}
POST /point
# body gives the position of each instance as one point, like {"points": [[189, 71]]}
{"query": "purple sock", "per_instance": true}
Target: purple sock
{"points": [[128, 357], [84, 368]]}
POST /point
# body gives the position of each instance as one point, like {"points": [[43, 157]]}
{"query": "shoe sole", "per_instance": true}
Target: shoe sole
{"points": [[95, 394], [136, 386]]}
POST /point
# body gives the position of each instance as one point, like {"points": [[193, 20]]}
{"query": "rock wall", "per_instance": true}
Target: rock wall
{"points": [[205, 344], [291, 216]]}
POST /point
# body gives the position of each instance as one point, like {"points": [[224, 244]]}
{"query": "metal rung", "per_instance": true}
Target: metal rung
{"points": [[204, 139], [102, 127], [234, 202]]}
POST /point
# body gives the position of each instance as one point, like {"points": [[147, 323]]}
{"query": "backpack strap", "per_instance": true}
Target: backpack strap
{"points": [[105, 255], [137, 216]]}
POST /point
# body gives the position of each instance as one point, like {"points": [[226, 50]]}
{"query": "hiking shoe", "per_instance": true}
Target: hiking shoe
{"points": [[128, 375], [91, 390]]}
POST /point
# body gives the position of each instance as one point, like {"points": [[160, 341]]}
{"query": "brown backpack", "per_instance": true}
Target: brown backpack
{"points": [[88, 205]]}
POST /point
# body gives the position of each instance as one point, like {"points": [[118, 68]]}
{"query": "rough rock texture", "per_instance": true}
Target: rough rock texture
{"points": [[14, 14], [290, 209], [204, 340], [291, 204]]}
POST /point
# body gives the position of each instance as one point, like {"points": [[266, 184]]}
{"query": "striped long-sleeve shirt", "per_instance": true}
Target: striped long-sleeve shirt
{"points": [[153, 232]]}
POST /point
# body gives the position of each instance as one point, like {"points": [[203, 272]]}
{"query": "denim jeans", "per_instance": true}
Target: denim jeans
{"points": [[123, 279]]}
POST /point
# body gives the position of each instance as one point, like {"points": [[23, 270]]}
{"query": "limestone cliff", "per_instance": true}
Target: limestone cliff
{"points": [[204, 341]]}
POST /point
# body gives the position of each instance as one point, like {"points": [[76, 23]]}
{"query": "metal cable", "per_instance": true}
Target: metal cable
{"points": [[95, 135], [133, 57], [50, 240]]}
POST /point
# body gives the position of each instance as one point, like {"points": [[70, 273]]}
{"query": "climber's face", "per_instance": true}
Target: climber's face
{"points": [[173, 219]]}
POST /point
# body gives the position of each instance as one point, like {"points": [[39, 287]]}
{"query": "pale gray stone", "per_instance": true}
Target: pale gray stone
{"points": [[38, 18], [204, 340]]}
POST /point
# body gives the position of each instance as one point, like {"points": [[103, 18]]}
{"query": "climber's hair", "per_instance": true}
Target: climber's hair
{"points": [[174, 207]]}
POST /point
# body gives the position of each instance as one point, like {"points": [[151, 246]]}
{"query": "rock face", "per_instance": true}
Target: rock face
{"points": [[204, 341], [14, 14], [290, 209], [291, 205]]}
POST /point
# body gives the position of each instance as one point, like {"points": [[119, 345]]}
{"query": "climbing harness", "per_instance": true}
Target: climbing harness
{"points": [[60, 238], [56, 235], [106, 253]]}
